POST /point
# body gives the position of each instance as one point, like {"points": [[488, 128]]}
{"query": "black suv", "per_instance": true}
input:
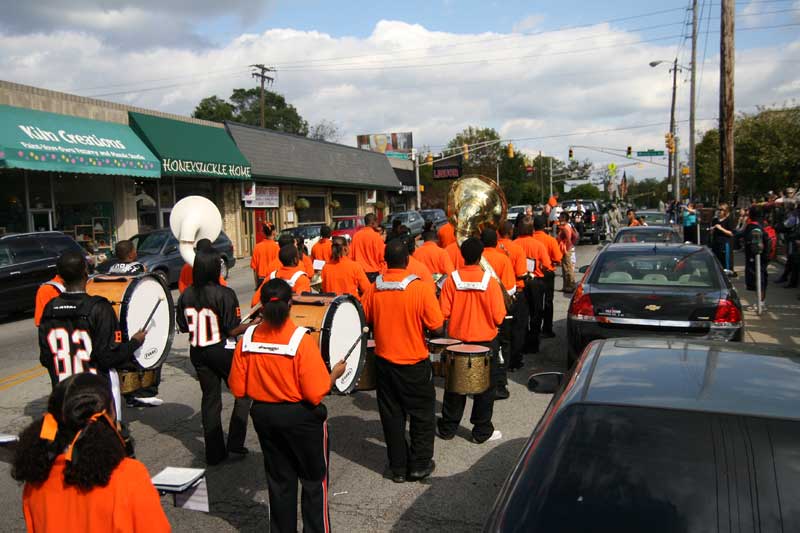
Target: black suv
{"points": [[590, 223], [26, 261], [158, 252], [436, 217]]}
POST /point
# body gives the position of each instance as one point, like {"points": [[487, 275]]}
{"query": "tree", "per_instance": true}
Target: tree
{"points": [[587, 191], [325, 130], [245, 107], [482, 160]]}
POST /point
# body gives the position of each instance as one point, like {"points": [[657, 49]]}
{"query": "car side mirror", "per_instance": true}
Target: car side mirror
{"points": [[170, 250], [583, 269], [729, 273], [545, 382]]}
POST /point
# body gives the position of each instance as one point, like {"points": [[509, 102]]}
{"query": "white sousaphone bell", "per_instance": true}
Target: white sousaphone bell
{"points": [[194, 218]]}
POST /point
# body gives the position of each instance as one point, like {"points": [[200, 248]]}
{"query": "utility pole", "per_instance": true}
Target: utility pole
{"points": [[416, 176], [261, 74], [672, 171], [726, 116], [693, 104], [541, 177]]}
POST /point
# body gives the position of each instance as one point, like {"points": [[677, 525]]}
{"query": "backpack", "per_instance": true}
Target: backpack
{"points": [[772, 238]]}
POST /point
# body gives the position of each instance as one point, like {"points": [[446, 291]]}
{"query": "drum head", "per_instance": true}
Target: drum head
{"points": [[468, 349], [140, 299], [442, 341], [344, 323]]}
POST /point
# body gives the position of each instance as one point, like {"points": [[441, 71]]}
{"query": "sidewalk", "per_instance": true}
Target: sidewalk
{"points": [[778, 323]]}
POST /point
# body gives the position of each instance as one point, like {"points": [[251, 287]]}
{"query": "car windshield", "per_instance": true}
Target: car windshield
{"points": [[573, 206], [516, 209], [151, 243], [678, 269], [652, 218], [432, 214], [347, 223], [402, 217], [647, 235]]}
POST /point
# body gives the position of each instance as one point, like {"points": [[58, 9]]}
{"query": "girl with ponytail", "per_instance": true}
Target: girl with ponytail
{"points": [[342, 275], [77, 477]]}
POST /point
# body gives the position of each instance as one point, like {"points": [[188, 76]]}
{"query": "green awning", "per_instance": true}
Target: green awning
{"points": [[37, 140], [187, 149]]}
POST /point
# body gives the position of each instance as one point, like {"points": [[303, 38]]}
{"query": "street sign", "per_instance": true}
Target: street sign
{"points": [[650, 153]]}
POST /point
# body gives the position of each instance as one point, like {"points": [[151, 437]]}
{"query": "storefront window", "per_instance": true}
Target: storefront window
{"points": [[85, 209], [166, 193], [39, 190], [348, 205], [314, 213], [195, 187], [146, 206], [13, 217]]}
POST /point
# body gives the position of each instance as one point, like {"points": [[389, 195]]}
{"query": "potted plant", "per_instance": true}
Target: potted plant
{"points": [[335, 204], [379, 205], [302, 203]]}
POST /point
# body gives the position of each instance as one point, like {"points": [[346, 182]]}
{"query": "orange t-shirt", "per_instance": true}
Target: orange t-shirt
{"points": [[367, 249], [454, 253], [634, 222], [185, 280], [446, 235], [535, 250], [435, 258], [473, 314], [417, 268], [274, 378], [517, 256], [263, 254], [344, 276], [302, 284], [398, 318], [322, 250], [44, 294], [552, 202], [502, 266], [129, 503], [553, 249]]}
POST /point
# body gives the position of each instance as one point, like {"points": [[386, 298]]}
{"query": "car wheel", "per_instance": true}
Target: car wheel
{"points": [[223, 268], [163, 275]]}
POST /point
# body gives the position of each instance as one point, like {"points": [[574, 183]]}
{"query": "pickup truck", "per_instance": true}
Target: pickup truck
{"points": [[589, 223]]}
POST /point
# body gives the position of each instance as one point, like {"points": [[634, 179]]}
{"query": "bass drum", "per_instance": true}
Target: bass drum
{"points": [[336, 322], [134, 298]]}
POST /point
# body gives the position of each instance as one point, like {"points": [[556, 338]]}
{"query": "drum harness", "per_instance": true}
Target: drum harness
{"points": [[290, 349], [291, 281], [58, 286], [394, 285]]}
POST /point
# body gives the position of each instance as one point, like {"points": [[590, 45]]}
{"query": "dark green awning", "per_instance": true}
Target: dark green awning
{"points": [[187, 149], [37, 140]]}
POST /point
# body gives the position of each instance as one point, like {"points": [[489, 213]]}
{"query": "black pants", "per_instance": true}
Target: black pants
{"points": [[406, 391], [504, 340], [294, 441], [213, 366], [750, 274], [547, 310], [690, 234], [482, 405], [534, 294], [519, 328]]}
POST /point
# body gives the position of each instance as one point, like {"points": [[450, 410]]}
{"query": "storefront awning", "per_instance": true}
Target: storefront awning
{"points": [[187, 149], [37, 140]]}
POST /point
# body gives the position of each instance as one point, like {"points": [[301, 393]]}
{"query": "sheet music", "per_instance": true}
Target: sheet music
{"points": [[318, 264], [177, 479]]}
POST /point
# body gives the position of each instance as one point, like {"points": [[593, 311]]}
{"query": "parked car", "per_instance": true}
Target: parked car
{"points": [[310, 234], [411, 219], [653, 217], [666, 290], [158, 252], [515, 210], [26, 261], [661, 435], [436, 217], [590, 223], [347, 226], [648, 234]]}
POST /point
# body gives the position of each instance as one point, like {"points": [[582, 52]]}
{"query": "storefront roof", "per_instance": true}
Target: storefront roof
{"points": [[37, 140], [187, 149], [285, 158]]}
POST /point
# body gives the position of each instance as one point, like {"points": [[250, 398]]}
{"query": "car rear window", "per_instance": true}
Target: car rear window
{"points": [[59, 243], [152, 242], [694, 269], [647, 236], [345, 224], [652, 218]]}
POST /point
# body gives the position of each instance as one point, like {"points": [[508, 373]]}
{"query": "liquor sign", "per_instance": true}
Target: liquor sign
{"points": [[448, 169]]}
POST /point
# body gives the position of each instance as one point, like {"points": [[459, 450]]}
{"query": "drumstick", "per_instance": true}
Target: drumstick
{"points": [[364, 331], [253, 313], [153, 312]]}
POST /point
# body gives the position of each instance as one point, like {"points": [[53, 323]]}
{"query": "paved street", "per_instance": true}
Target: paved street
{"points": [[457, 498]]}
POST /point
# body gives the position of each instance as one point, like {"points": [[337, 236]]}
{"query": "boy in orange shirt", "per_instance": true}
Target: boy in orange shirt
{"points": [[520, 311], [538, 260], [322, 250], [433, 256], [367, 247], [446, 235], [263, 254], [555, 255], [289, 271]]}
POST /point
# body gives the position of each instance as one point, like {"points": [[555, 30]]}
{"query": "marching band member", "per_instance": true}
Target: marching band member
{"points": [[210, 314], [263, 254], [417, 268], [46, 292], [303, 259], [519, 310], [289, 271], [446, 235], [342, 275], [538, 261], [185, 279], [280, 367], [322, 250], [432, 256], [549, 278], [367, 247], [126, 263], [454, 253], [472, 302], [77, 478], [400, 307]]}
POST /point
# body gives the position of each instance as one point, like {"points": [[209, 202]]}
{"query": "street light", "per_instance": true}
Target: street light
{"points": [[674, 179]]}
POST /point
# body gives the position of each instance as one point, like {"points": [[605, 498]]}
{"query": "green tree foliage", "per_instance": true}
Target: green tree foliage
{"points": [[482, 160], [587, 191], [244, 107], [766, 151], [647, 192]]}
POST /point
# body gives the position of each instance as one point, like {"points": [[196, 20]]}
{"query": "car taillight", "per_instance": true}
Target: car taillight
{"points": [[581, 307], [594, 218], [727, 313]]}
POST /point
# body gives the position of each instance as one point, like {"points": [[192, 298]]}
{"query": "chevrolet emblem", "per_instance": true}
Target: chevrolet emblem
{"points": [[653, 307]]}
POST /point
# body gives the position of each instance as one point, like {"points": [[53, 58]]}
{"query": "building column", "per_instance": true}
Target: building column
{"points": [[232, 215], [126, 219]]}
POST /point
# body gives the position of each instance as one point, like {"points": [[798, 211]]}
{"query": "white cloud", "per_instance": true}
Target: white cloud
{"points": [[527, 24], [525, 86]]}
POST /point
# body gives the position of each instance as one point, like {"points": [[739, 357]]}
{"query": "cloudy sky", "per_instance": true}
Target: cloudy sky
{"points": [[548, 74]]}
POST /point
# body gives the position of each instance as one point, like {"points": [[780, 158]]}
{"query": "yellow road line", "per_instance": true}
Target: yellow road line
{"points": [[23, 379], [20, 373]]}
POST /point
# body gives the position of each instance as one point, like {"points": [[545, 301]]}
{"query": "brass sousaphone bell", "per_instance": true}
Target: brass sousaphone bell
{"points": [[474, 203]]}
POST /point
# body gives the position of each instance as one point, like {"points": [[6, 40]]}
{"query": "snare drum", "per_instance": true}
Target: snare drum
{"points": [[367, 380], [335, 322], [134, 298], [436, 348], [468, 369]]}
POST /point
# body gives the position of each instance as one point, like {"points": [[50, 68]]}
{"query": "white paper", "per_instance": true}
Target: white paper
{"points": [[6, 438], [172, 478], [531, 265], [318, 264], [194, 498]]}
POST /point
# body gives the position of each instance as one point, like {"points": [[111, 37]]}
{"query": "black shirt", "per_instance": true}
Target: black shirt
{"points": [[717, 236], [208, 314], [80, 333]]}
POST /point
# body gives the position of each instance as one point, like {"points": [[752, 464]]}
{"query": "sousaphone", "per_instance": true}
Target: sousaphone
{"points": [[194, 218]]}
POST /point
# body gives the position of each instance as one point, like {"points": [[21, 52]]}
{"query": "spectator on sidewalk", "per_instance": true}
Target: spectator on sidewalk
{"points": [[690, 223], [722, 236]]}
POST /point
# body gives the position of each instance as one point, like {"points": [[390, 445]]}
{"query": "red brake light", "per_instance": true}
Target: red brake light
{"points": [[594, 217], [727, 313], [581, 307]]}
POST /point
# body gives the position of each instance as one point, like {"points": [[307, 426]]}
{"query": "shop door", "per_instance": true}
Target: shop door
{"points": [[41, 219], [259, 217]]}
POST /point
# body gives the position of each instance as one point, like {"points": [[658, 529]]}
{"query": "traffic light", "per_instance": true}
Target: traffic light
{"points": [[510, 151], [465, 149], [570, 153], [630, 152], [669, 141], [429, 159]]}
